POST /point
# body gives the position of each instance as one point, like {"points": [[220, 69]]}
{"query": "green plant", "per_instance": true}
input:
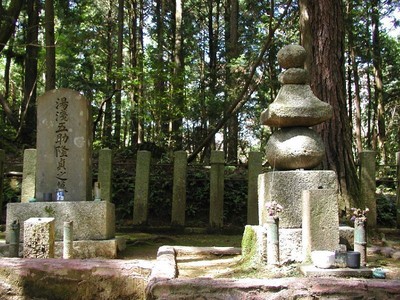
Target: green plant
{"points": [[49, 211]]}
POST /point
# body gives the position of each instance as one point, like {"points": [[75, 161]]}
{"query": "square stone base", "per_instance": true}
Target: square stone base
{"points": [[92, 220], [290, 242]]}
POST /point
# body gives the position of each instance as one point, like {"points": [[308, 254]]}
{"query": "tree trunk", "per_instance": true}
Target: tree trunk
{"points": [[118, 83], [107, 124], [178, 79], [377, 63], [354, 70], [28, 116], [50, 46], [232, 39], [327, 81], [8, 20]]}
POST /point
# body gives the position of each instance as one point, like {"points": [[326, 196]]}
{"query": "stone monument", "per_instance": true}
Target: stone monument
{"points": [[64, 143], [295, 151]]}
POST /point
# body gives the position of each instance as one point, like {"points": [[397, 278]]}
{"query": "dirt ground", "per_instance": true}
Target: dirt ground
{"points": [[145, 246]]}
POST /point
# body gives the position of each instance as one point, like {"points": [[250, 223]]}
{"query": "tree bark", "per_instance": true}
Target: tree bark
{"points": [[50, 46], [232, 44], [178, 79], [327, 81], [378, 83], [28, 115], [118, 82], [8, 20]]}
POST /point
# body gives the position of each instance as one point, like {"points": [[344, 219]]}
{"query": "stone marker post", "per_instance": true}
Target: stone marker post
{"points": [[179, 189], [14, 239], [398, 189], [39, 238], [29, 175], [255, 169], [142, 180], [68, 240], [320, 222], [217, 189], [64, 145], [368, 185], [2, 160], [105, 174]]}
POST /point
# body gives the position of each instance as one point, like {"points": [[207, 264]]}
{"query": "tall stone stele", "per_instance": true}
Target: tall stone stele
{"points": [[64, 145]]}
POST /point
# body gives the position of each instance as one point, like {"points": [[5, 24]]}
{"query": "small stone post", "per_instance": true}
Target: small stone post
{"points": [[68, 248], [14, 239], [217, 189], [360, 240], [179, 189], [142, 180], [272, 226], [29, 176], [255, 168], [2, 160], [105, 174], [368, 185], [398, 189]]}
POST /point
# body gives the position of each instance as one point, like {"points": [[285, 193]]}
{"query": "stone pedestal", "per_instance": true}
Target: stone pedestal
{"points": [[92, 220], [285, 187]]}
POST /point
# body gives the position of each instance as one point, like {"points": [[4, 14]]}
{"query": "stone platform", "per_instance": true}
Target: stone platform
{"points": [[290, 242], [92, 220], [312, 271]]}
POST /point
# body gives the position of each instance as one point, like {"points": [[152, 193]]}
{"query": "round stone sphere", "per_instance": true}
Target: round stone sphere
{"points": [[292, 56], [295, 148]]}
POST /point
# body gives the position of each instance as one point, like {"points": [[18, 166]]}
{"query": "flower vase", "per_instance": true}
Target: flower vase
{"points": [[272, 226], [360, 240]]}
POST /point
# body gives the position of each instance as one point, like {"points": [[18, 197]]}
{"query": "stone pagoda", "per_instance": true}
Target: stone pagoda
{"points": [[309, 220]]}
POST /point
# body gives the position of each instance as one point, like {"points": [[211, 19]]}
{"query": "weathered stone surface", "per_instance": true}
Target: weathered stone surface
{"points": [[286, 188], [105, 173], [92, 220], [296, 105], [28, 175], [292, 56], [295, 148], [312, 271], [280, 288], [320, 224], [73, 279], [294, 76], [39, 239], [64, 143]]}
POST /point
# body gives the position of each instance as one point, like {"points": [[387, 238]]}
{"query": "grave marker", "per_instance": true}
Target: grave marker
{"points": [[64, 141]]}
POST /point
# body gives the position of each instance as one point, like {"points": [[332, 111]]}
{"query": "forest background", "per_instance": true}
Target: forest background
{"points": [[195, 75]]}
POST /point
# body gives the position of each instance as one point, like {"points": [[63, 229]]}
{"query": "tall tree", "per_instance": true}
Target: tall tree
{"points": [[118, 83], [232, 49], [178, 78], [325, 18], [8, 20], [50, 45], [28, 116], [378, 79]]}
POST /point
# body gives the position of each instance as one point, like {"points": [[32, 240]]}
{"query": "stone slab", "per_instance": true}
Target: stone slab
{"points": [[286, 188], [64, 145], [312, 271], [320, 221], [93, 220], [73, 279]]}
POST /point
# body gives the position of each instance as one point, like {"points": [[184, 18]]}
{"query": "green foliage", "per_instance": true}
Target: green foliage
{"points": [[386, 208]]}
